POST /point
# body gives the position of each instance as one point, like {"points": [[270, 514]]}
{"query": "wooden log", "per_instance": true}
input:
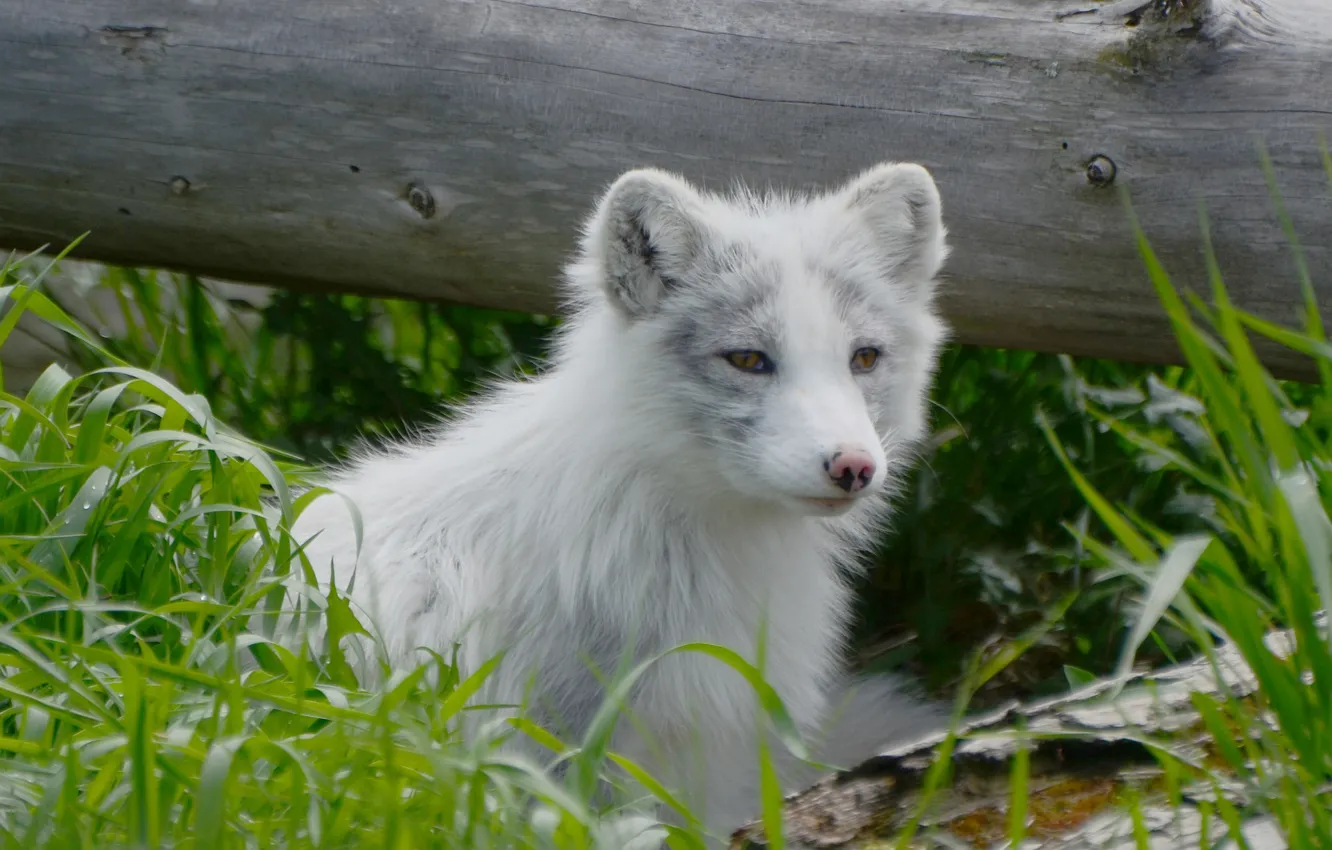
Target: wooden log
{"points": [[447, 149], [1089, 751]]}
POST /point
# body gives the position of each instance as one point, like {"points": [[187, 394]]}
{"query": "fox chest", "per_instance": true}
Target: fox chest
{"points": [[709, 635], [660, 590]]}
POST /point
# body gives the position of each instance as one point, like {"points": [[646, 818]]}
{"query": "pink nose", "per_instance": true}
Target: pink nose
{"points": [[851, 470]]}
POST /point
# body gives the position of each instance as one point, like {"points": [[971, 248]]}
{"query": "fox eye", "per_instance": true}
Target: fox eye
{"points": [[864, 359], [749, 361]]}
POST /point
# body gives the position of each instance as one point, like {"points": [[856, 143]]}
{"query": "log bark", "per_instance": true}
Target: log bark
{"points": [[1089, 751], [446, 149]]}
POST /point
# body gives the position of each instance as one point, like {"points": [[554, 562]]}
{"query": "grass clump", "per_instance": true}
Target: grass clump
{"points": [[1255, 455], [139, 539]]}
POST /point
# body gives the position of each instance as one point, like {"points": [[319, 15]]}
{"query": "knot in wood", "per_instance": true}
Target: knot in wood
{"points": [[420, 199], [1101, 170]]}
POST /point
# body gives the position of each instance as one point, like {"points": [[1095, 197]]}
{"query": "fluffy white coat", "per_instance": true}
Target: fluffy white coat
{"points": [[649, 488]]}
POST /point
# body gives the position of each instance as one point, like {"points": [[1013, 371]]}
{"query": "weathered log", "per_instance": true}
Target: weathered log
{"points": [[1088, 750], [447, 149]]}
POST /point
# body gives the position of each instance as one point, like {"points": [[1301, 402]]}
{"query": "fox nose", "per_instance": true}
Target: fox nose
{"points": [[850, 469]]}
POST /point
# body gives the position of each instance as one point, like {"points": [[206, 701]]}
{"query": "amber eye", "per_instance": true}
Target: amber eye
{"points": [[864, 359], [749, 361]]}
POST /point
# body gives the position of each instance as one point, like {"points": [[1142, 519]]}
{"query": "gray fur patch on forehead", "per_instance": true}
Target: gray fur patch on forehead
{"points": [[739, 284], [730, 279], [736, 295], [857, 300], [655, 236]]}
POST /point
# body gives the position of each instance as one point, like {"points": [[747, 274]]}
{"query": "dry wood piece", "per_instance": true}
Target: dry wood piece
{"points": [[447, 149], [1088, 751]]}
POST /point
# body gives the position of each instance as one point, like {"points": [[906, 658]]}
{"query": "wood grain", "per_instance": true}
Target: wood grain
{"points": [[446, 149]]}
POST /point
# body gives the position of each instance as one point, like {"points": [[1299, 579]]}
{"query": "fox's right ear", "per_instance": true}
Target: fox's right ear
{"points": [[648, 233]]}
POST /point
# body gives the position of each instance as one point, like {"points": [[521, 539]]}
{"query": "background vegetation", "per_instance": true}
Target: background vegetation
{"points": [[981, 550]]}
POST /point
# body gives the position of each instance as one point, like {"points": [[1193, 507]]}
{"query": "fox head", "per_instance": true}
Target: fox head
{"points": [[795, 337]]}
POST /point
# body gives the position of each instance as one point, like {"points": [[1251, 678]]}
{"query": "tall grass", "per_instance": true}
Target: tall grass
{"points": [[312, 374], [138, 536], [308, 373], [1258, 462]]}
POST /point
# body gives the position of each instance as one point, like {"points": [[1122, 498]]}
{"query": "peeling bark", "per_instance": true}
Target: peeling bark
{"points": [[1089, 751]]}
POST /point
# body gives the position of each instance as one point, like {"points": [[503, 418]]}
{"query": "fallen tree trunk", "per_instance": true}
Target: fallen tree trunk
{"points": [[446, 150], [1090, 752]]}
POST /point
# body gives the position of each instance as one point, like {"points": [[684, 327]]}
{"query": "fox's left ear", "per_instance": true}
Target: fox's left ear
{"points": [[901, 204]]}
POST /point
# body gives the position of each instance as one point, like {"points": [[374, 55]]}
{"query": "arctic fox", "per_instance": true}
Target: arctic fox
{"points": [[729, 407]]}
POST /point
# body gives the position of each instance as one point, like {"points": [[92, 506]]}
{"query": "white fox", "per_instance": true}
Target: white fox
{"points": [[729, 408]]}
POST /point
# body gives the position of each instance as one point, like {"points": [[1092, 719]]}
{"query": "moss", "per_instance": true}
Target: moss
{"points": [[1164, 32]]}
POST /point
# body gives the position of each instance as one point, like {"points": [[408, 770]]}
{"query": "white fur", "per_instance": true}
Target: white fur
{"points": [[645, 492]]}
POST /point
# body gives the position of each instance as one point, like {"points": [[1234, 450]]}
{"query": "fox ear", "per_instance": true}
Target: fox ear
{"points": [[648, 231], [901, 204]]}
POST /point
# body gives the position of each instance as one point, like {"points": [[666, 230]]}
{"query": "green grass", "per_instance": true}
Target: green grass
{"points": [[138, 534], [313, 374], [1133, 515], [142, 543], [1259, 460]]}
